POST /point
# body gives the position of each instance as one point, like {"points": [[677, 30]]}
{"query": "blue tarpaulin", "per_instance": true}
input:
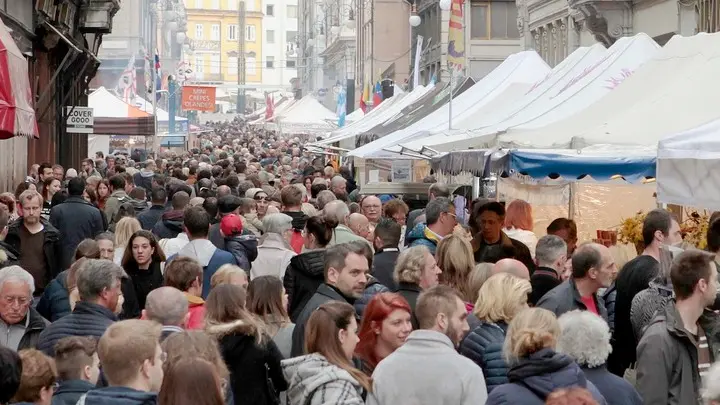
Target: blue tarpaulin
{"points": [[634, 167]]}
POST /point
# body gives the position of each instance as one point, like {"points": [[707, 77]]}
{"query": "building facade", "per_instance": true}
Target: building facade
{"points": [[216, 44], [279, 46], [384, 42], [60, 40], [555, 28], [491, 34]]}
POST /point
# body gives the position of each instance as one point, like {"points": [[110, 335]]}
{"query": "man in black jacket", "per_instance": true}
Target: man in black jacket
{"points": [[152, 215], [20, 324], [386, 241], [37, 240], [76, 219], [346, 268], [99, 286], [550, 257]]}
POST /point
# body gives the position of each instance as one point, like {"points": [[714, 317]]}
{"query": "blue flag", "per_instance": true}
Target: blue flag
{"points": [[341, 108]]}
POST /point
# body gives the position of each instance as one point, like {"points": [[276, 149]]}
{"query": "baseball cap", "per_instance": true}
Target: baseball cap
{"points": [[228, 203], [231, 225]]}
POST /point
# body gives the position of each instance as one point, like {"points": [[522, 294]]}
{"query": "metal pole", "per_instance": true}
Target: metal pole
{"points": [[242, 72], [450, 110], [153, 43]]}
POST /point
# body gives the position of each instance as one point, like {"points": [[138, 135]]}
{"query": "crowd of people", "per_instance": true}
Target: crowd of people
{"points": [[252, 272]]}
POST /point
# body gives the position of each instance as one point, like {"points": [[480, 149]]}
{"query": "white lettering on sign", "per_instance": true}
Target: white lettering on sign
{"points": [[80, 120]]}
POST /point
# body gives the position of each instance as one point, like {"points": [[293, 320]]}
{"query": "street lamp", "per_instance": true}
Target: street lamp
{"points": [[414, 17], [445, 5]]}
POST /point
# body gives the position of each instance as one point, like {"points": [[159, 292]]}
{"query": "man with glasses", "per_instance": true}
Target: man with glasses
{"points": [[371, 208], [441, 220], [20, 323]]}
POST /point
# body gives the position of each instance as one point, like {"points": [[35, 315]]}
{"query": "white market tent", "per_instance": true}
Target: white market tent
{"points": [[162, 115], [589, 75], [306, 116], [674, 91], [384, 112], [107, 105], [688, 167], [522, 67], [355, 116]]}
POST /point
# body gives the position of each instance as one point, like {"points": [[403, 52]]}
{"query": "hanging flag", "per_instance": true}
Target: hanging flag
{"points": [[341, 108], [158, 76], [377, 95], [146, 69], [364, 97], [269, 106], [127, 85], [456, 37]]}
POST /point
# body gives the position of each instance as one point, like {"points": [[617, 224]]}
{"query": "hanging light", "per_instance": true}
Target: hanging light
{"points": [[445, 5], [414, 17]]}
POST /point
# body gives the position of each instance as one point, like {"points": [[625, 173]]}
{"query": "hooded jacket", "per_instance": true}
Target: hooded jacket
{"points": [[312, 380], [536, 376], [144, 179], [209, 257], [273, 258], [244, 248], [250, 363], [302, 278], [196, 312], [170, 225], [118, 396], [667, 358], [421, 236]]}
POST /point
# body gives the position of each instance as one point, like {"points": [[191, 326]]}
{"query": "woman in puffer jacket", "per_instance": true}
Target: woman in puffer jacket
{"points": [[500, 298], [535, 368]]}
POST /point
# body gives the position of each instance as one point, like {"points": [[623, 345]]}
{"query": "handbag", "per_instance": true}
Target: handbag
{"points": [[272, 392]]}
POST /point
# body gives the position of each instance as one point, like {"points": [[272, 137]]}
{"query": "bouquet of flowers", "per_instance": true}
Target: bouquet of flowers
{"points": [[693, 228]]}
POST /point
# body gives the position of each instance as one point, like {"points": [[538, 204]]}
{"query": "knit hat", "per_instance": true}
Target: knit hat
{"points": [[231, 225]]}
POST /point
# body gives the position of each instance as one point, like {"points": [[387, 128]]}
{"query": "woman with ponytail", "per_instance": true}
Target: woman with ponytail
{"points": [[307, 270], [326, 374], [535, 368]]}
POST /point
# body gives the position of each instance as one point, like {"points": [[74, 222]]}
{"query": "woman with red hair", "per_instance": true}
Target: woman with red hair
{"points": [[519, 224], [385, 327]]}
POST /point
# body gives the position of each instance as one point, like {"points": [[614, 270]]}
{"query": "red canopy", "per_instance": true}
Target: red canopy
{"points": [[17, 116]]}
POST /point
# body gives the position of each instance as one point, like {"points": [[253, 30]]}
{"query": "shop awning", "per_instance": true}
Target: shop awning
{"points": [[17, 116]]}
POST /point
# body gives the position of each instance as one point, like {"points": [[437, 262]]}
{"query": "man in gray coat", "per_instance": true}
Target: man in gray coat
{"points": [[346, 270], [593, 268], [681, 341], [427, 369]]}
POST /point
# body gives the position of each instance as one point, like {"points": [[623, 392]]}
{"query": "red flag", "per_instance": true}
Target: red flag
{"points": [[377, 95], [269, 107], [364, 96]]}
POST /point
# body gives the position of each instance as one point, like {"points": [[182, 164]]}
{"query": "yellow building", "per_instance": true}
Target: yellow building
{"points": [[212, 29]]}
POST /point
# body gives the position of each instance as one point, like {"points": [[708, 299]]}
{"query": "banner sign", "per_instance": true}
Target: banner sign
{"points": [[198, 98]]}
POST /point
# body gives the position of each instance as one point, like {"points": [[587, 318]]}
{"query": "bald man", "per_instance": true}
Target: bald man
{"points": [[223, 191], [167, 306], [593, 268], [512, 266], [359, 224], [372, 208]]}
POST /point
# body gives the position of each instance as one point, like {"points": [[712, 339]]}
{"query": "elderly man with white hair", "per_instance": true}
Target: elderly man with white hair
{"points": [[338, 185], [274, 251], [585, 337], [20, 323]]}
